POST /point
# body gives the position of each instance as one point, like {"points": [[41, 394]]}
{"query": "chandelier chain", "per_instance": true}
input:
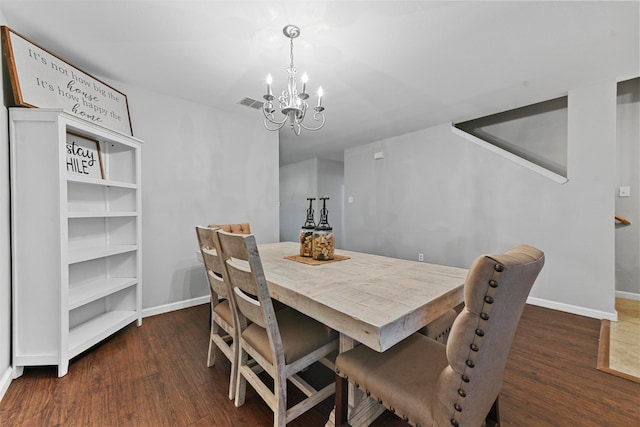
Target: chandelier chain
{"points": [[291, 55]]}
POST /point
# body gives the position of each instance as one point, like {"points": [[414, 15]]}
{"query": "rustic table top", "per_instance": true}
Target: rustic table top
{"points": [[375, 300]]}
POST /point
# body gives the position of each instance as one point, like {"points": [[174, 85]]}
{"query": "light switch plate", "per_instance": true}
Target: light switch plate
{"points": [[624, 191]]}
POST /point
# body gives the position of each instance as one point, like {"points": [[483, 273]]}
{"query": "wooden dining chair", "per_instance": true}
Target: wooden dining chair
{"points": [[429, 384], [222, 332], [282, 342]]}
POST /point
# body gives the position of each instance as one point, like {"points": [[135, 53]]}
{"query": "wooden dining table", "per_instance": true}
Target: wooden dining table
{"points": [[369, 299]]}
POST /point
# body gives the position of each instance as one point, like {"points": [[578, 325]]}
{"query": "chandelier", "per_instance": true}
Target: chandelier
{"points": [[292, 104]]}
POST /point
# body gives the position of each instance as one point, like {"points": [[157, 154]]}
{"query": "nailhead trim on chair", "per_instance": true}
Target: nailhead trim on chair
{"points": [[474, 346]]}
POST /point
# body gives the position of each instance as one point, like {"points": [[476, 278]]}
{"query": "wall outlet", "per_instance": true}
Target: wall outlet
{"points": [[420, 257]]}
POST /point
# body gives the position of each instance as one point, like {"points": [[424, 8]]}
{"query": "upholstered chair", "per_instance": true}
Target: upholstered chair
{"points": [[429, 384], [242, 228], [440, 328]]}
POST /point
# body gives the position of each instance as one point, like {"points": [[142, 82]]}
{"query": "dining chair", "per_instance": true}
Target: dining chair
{"points": [[222, 332], [429, 384], [242, 228], [282, 342], [440, 328]]}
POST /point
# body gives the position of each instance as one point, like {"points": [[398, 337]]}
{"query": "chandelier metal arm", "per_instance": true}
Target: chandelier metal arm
{"points": [[278, 127], [268, 118], [318, 117]]}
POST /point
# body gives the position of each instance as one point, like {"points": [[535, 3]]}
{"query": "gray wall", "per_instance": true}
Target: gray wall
{"points": [[310, 178], [438, 194], [297, 182], [628, 174], [331, 183], [5, 249], [199, 166]]}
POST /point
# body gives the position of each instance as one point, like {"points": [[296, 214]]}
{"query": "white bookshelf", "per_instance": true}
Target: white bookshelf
{"points": [[76, 241]]}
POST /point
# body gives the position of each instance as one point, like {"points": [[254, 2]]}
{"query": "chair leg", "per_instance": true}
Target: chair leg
{"points": [[493, 417], [280, 393], [211, 355], [241, 385], [214, 352], [213, 349], [233, 378], [342, 403]]}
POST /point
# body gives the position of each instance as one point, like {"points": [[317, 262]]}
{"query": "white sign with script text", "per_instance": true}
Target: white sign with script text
{"points": [[43, 80]]}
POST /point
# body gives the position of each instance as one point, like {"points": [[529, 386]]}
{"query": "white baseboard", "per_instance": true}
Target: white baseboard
{"points": [[627, 295], [573, 309], [5, 381], [148, 312]]}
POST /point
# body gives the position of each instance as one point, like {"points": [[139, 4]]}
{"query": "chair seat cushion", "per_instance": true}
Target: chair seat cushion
{"points": [[223, 309], [300, 335], [403, 377]]}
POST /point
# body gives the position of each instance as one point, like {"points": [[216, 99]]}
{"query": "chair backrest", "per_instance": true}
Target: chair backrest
{"points": [[242, 228], [212, 260], [495, 294], [247, 283]]}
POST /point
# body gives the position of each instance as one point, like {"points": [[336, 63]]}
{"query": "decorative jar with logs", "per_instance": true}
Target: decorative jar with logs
{"points": [[323, 241], [306, 232]]}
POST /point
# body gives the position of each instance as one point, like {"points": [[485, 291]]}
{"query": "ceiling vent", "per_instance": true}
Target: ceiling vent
{"points": [[251, 103]]}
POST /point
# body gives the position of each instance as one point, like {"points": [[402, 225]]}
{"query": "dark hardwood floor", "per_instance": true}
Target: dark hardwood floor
{"points": [[156, 375]]}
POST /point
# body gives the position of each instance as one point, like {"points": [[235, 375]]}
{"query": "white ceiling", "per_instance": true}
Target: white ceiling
{"points": [[387, 67]]}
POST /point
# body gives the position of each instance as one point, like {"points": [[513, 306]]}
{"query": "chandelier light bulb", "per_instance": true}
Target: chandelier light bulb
{"points": [[269, 95], [305, 79], [320, 93]]}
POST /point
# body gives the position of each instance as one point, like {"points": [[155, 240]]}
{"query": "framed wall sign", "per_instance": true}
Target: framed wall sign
{"points": [[83, 156], [41, 79]]}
